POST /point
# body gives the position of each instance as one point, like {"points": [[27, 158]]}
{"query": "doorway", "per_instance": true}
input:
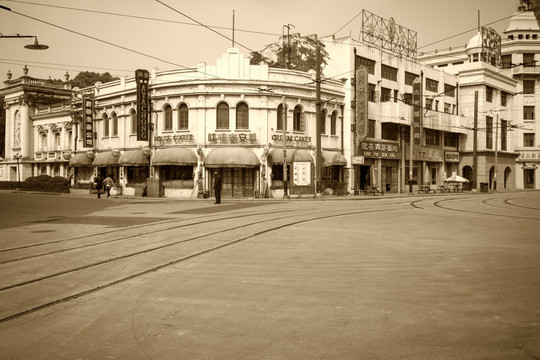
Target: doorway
{"points": [[528, 179], [236, 182]]}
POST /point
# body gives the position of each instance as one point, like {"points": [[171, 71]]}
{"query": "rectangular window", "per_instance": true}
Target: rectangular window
{"points": [[506, 61], [409, 78], [528, 113], [371, 129], [385, 94], [489, 132], [371, 91], [396, 94], [407, 98], [56, 141], [528, 140], [388, 72], [115, 126], [489, 94], [106, 126], [528, 86], [447, 108], [449, 90], [451, 139], [429, 104], [504, 134], [504, 98], [390, 131], [368, 63], [432, 137], [528, 60], [432, 85]]}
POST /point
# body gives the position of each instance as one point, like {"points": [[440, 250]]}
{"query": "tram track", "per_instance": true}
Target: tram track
{"points": [[208, 242]]}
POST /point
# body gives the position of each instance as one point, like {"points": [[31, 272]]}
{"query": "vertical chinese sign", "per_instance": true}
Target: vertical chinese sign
{"points": [[88, 122], [417, 111], [361, 105], [142, 78]]}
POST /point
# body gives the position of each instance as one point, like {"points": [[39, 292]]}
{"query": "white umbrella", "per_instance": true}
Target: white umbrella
{"points": [[456, 178]]}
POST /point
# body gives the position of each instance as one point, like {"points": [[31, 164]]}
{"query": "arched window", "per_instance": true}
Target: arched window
{"points": [[323, 121], [297, 118], [114, 118], [242, 116], [183, 117], [279, 125], [106, 126], [167, 117], [222, 116], [133, 118], [333, 123]]}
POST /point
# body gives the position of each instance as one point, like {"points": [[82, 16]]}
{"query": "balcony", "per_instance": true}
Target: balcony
{"points": [[524, 70]]}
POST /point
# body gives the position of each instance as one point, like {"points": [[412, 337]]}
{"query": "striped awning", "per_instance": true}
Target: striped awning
{"points": [[293, 155], [330, 158], [231, 157], [105, 159], [174, 156], [80, 160], [133, 158]]}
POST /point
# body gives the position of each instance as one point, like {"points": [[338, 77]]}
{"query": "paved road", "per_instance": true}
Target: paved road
{"points": [[423, 277]]}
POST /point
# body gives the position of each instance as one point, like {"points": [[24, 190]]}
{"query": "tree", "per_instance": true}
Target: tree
{"points": [[89, 78], [296, 53]]}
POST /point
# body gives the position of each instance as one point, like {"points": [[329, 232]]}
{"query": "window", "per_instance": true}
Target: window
{"points": [[432, 85], [528, 139], [323, 121], [242, 116], [407, 98], [371, 129], [297, 118], [409, 78], [371, 91], [388, 72], [506, 61], [222, 118], [114, 124], [333, 123], [449, 90], [183, 117], [133, 118], [451, 139], [390, 131], [56, 141], [167, 117], [447, 108], [368, 63], [504, 98], [528, 113], [43, 141], [504, 134], [396, 94], [528, 86], [174, 172], [528, 60], [489, 132], [385, 95], [105, 125], [432, 137], [429, 104], [489, 94], [280, 117]]}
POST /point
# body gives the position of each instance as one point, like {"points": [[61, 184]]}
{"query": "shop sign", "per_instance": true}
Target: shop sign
{"points": [[88, 122], [302, 173], [529, 166], [292, 140], [174, 139], [361, 103], [423, 153], [379, 149], [358, 160], [142, 78], [228, 138], [529, 156], [451, 156], [417, 111]]}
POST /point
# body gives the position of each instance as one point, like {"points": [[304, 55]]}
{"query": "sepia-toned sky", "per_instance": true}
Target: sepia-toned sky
{"points": [[120, 36]]}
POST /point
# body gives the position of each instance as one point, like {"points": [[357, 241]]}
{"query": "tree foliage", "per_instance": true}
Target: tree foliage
{"points": [[296, 53], [89, 78]]}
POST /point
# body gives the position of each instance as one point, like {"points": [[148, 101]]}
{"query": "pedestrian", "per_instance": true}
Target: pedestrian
{"points": [[99, 185], [109, 183], [217, 187]]}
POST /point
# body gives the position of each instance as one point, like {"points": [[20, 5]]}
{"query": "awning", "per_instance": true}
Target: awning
{"points": [[105, 159], [133, 158], [231, 157], [276, 156], [175, 156], [333, 158], [80, 160]]}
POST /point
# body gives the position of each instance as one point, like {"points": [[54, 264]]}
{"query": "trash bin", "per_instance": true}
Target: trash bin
{"points": [[484, 187]]}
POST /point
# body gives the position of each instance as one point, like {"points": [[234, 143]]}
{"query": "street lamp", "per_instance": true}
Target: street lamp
{"points": [[18, 157], [35, 46]]}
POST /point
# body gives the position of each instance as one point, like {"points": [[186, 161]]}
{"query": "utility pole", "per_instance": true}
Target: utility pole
{"points": [[284, 124], [318, 110], [288, 59], [494, 185], [475, 142]]}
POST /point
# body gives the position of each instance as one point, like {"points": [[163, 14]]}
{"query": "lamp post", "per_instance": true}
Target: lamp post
{"points": [[18, 157], [35, 46]]}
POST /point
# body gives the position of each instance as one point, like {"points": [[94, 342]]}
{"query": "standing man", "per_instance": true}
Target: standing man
{"points": [[217, 187], [99, 185], [109, 183]]}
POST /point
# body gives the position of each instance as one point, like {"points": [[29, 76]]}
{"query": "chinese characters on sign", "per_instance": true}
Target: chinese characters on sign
{"points": [[88, 122], [228, 138], [451, 156], [417, 112], [302, 173], [533, 156], [142, 78], [379, 149], [361, 104], [424, 153]]}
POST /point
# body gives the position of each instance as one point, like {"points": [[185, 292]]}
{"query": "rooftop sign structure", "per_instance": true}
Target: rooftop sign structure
{"points": [[388, 35], [491, 47]]}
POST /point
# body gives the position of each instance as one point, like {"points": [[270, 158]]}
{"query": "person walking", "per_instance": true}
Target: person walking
{"points": [[217, 187], [109, 183], [99, 185]]}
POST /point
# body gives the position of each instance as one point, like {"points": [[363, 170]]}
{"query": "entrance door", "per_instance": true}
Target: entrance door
{"points": [[528, 178], [237, 182], [364, 180]]}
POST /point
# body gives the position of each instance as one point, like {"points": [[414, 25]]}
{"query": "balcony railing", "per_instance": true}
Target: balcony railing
{"points": [[518, 70]]}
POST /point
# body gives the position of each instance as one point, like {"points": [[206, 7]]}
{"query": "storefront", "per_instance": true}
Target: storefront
{"points": [[380, 166], [299, 171], [106, 164], [527, 164], [239, 168], [428, 165], [332, 172], [135, 170], [83, 168], [176, 169]]}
